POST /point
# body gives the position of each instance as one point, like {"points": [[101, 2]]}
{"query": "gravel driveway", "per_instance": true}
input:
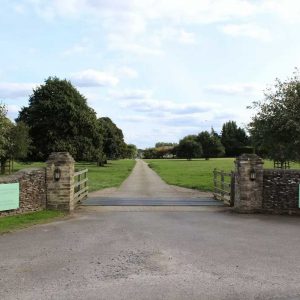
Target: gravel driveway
{"points": [[147, 253]]}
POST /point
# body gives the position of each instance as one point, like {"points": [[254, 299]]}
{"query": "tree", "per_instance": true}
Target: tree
{"points": [[14, 139], [5, 129], [20, 140], [59, 119], [189, 147], [113, 140], [150, 153], [233, 138], [275, 129], [131, 151], [164, 144], [211, 144]]}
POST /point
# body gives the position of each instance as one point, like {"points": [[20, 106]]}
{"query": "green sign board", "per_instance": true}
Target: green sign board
{"points": [[9, 196]]}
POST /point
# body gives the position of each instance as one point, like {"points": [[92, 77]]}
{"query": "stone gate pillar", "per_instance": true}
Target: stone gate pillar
{"points": [[248, 183], [60, 181]]}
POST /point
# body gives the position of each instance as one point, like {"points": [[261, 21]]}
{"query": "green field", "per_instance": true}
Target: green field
{"points": [[112, 175], [195, 174], [21, 221]]}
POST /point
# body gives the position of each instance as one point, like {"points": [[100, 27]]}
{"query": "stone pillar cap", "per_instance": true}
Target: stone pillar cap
{"points": [[247, 157]]}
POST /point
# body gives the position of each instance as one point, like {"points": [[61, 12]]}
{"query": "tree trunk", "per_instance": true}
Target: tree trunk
{"points": [[3, 162]]}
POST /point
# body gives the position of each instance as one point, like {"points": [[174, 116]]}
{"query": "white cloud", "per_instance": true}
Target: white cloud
{"points": [[187, 37], [122, 43], [92, 78], [196, 11], [247, 30], [13, 110], [130, 94], [79, 48], [173, 34], [238, 89], [158, 107], [288, 10], [16, 90], [127, 72]]}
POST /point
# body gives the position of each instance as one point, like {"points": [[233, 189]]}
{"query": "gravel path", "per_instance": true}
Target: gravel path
{"points": [[143, 182]]}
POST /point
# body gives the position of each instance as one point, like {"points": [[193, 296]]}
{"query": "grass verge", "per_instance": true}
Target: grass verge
{"points": [[11, 223], [111, 175], [197, 173]]}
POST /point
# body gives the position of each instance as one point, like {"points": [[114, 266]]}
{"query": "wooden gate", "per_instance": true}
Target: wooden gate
{"points": [[224, 186], [80, 185]]}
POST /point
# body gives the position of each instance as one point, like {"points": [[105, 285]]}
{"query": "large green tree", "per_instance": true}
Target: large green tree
{"points": [[211, 144], [275, 129], [233, 138], [113, 140], [59, 119], [189, 147]]}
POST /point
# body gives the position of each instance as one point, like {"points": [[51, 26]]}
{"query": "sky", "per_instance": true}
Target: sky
{"points": [[160, 69]]}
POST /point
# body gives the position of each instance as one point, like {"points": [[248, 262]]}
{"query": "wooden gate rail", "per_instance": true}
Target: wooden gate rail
{"points": [[80, 185], [224, 186]]}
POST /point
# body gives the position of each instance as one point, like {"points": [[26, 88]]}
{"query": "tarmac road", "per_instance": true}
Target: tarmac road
{"points": [[153, 253]]}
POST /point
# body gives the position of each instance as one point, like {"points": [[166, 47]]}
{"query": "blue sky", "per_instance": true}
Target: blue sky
{"points": [[160, 69]]}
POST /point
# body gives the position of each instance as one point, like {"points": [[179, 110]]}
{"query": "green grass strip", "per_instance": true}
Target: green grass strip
{"points": [[197, 173], [11, 223]]}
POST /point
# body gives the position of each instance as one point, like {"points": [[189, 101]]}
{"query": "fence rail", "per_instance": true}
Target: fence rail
{"points": [[80, 185], [224, 186]]}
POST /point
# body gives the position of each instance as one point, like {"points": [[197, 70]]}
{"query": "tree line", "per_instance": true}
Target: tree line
{"points": [[232, 141], [273, 132], [58, 118]]}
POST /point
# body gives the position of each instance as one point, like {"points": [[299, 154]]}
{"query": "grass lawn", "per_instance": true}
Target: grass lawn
{"points": [[195, 174], [112, 175], [21, 221]]}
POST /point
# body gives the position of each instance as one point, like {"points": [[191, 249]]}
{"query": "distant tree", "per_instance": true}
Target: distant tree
{"points": [[14, 139], [233, 138], [59, 119], [189, 148], [20, 141], [131, 151], [5, 130], [275, 129], [211, 144], [150, 153], [113, 140], [163, 144]]}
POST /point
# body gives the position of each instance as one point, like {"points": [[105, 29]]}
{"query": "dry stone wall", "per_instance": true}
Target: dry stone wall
{"points": [[32, 190], [281, 190]]}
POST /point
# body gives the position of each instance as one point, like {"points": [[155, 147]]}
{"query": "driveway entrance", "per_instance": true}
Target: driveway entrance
{"points": [[145, 188]]}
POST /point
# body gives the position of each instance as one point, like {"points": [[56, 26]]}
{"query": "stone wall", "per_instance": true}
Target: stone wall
{"points": [[281, 190], [32, 190]]}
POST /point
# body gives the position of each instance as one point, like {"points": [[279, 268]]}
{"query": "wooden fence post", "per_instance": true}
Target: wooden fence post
{"points": [[222, 184], [232, 186], [215, 182]]}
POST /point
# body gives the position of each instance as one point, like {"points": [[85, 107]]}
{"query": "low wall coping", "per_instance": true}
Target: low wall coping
{"points": [[19, 174]]}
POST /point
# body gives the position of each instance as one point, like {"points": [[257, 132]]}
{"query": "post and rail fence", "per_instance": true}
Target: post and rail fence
{"points": [[224, 186], [80, 185]]}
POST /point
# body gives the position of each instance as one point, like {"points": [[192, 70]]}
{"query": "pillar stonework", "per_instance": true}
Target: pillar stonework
{"points": [[60, 181], [248, 191]]}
